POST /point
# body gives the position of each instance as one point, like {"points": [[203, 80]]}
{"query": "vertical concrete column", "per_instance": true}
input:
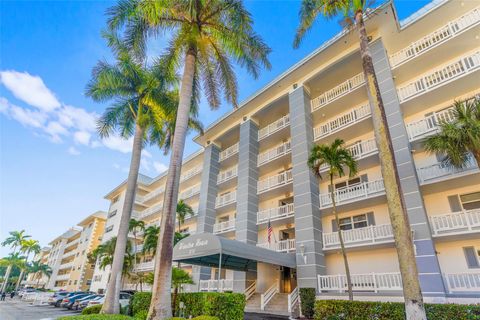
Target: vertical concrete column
{"points": [[308, 224], [206, 206], [430, 276], [247, 199]]}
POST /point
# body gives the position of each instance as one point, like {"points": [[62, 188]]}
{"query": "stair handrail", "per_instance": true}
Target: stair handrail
{"points": [[293, 299], [250, 291], [268, 295]]}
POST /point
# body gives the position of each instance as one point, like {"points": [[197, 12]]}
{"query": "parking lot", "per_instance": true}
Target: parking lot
{"points": [[16, 309]]}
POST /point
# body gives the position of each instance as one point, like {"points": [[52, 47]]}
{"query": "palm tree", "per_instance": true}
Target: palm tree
{"points": [[150, 239], [14, 260], [179, 278], [134, 226], [183, 210], [104, 253], [457, 140], [206, 37], [28, 246], [336, 157], [39, 269], [14, 241], [353, 12]]}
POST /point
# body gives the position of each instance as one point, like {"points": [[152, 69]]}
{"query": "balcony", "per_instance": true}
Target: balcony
{"points": [[337, 92], [190, 173], [363, 190], [68, 265], [463, 282], [273, 127], [212, 285], [224, 226], [440, 76], [277, 213], [63, 277], [342, 121], [358, 237], [441, 171], [273, 153], [227, 153], [463, 222], [359, 150], [373, 282], [228, 174], [193, 191], [436, 38], [279, 246], [145, 266], [69, 254], [226, 199], [151, 211], [274, 181], [429, 125], [154, 194], [72, 243]]}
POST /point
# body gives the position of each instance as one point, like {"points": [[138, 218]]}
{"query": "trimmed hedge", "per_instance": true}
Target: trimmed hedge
{"points": [[97, 317], [307, 301], [362, 310], [140, 302], [92, 309]]}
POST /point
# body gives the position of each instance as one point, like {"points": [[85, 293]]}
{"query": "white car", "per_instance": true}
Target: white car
{"points": [[124, 300]]}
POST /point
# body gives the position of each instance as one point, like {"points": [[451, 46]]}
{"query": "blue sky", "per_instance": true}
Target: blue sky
{"points": [[54, 170]]}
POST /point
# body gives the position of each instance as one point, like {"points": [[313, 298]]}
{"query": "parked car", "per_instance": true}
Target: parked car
{"points": [[76, 304], [22, 292], [67, 302], [59, 300], [57, 297], [124, 300]]}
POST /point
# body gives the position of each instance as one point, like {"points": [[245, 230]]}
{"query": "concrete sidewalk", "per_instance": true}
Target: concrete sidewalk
{"points": [[16, 309]]}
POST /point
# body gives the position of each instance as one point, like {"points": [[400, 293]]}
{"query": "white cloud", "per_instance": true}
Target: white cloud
{"points": [[82, 137], [72, 117], [73, 151], [27, 117], [146, 154], [55, 130], [29, 89], [160, 167], [145, 164], [118, 144]]}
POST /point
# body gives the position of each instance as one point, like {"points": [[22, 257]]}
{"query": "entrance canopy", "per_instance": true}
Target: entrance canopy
{"points": [[206, 249]]}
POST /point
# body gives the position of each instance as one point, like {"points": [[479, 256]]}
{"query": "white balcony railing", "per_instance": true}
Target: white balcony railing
{"points": [[226, 199], [72, 243], [154, 193], [230, 151], [361, 190], [224, 226], [359, 150], [274, 153], [463, 282], [456, 223], [212, 285], [62, 277], [279, 246], [338, 91], [274, 127], [362, 282], [69, 254], [145, 266], [342, 121], [436, 37], [277, 213], [68, 265], [190, 192], [191, 173], [274, 181], [441, 169], [227, 174], [439, 76], [429, 125], [152, 210], [368, 235]]}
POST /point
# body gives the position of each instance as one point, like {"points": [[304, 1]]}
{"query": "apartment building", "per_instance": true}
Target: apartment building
{"points": [[253, 173], [68, 254], [38, 280]]}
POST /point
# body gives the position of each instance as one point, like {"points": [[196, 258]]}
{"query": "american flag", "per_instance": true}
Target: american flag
{"points": [[269, 231]]}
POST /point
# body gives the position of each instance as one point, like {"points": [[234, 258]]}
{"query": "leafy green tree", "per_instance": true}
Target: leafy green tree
{"points": [[352, 12], [14, 241], [39, 270], [150, 239], [104, 254], [14, 260], [179, 278], [206, 37], [336, 157], [183, 210]]}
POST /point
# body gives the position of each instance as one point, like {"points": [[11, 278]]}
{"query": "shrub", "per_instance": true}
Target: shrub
{"points": [[360, 310], [140, 302], [205, 318], [307, 298], [92, 309], [141, 315], [97, 317]]}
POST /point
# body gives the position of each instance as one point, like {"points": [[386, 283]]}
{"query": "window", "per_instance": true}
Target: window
{"points": [[470, 200], [75, 282], [351, 182], [89, 282], [113, 213], [472, 257], [109, 228], [355, 222]]}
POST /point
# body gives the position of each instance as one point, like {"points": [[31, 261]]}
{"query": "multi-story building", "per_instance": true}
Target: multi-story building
{"points": [[253, 173], [38, 280], [68, 256]]}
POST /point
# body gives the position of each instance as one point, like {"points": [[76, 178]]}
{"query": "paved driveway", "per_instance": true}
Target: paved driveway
{"points": [[20, 310]]}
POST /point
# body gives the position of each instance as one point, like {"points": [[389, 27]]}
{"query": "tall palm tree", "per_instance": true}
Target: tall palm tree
{"points": [[183, 210], [206, 37], [14, 241], [39, 270], [336, 157], [459, 139], [353, 13], [105, 252], [179, 278], [28, 246], [150, 239], [134, 226], [14, 260]]}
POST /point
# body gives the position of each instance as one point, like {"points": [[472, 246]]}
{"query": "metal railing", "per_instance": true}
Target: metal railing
{"points": [[442, 169], [358, 150], [463, 282], [370, 235], [274, 127], [429, 125], [361, 190], [268, 295], [436, 37], [279, 246], [224, 226], [274, 181], [225, 199], [213, 285], [338, 91], [293, 299], [190, 192], [362, 282], [250, 291], [275, 213], [273, 153], [439, 76], [228, 174], [456, 223], [342, 121], [230, 151], [191, 173]]}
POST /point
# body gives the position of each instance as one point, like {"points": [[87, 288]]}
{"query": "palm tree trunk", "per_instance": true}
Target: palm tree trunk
{"points": [[38, 282], [414, 307], [342, 245], [5, 279], [111, 304], [161, 307], [19, 279]]}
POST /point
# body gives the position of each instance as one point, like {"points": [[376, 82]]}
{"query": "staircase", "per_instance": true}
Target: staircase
{"points": [[278, 305]]}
